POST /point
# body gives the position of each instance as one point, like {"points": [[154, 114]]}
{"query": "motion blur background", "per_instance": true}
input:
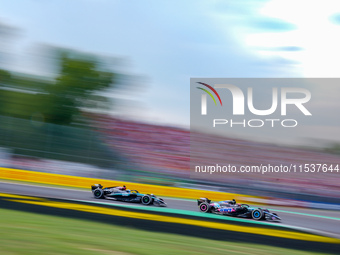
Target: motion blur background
{"points": [[101, 89]]}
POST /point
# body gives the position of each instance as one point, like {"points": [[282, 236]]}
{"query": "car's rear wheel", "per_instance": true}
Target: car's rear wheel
{"points": [[146, 200], [98, 193], [204, 207], [257, 214]]}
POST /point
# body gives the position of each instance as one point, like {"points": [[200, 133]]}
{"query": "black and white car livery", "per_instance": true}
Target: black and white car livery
{"points": [[120, 193]]}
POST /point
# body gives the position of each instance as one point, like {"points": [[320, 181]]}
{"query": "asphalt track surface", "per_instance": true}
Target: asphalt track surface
{"points": [[324, 222]]}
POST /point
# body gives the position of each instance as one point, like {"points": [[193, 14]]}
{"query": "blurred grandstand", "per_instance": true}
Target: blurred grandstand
{"points": [[161, 154]]}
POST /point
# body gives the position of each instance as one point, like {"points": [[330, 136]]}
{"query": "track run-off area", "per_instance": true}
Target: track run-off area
{"points": [[300, 228]]}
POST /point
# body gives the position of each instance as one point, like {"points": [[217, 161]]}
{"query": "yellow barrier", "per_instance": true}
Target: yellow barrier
{"points": [[84, 182]]}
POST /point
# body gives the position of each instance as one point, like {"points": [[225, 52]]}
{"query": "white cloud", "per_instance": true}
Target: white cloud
{"points": [[315, 34]]}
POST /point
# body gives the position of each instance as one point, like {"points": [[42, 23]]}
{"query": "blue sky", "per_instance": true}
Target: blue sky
{"points": [[164, 43]]}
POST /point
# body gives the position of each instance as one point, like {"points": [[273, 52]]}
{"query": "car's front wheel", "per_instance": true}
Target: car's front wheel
{"points": [[257, 214], [146, 200], [98, 193]]}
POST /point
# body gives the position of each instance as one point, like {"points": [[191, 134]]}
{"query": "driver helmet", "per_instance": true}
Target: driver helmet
{"points": [[124, 187]]}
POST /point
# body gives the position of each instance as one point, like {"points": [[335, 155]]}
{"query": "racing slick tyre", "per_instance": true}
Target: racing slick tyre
{"points": [[146, 200], [204, 207], [98, 193], [257, 214]]}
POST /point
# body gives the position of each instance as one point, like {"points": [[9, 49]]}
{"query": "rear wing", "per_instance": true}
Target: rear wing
{"points": [[202, 200]]}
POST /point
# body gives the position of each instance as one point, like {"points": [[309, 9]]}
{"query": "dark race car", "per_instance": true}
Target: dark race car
{"points": [[122, 194], [231, 208]]}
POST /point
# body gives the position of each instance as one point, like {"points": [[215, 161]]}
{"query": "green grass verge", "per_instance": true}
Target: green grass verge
{"points": [[28, 233]]}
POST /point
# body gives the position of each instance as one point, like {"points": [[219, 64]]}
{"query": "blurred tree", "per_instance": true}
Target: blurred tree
{"points": [[80, 78], [4, 78]]}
